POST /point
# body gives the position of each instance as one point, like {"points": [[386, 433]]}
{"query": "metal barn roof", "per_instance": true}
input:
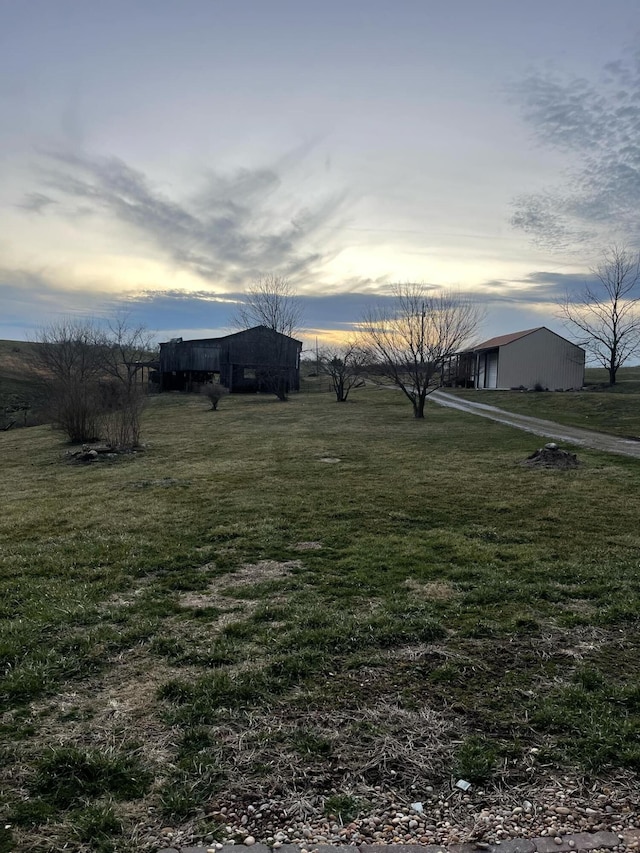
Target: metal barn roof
{"points": [[502, 340]]}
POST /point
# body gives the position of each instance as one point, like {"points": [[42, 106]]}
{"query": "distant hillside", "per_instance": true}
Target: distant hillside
{"points": [[18, 384], [14, 354]]}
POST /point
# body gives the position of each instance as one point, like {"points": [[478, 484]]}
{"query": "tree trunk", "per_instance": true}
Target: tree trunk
{"points": [[418, 409], [612, 375]]}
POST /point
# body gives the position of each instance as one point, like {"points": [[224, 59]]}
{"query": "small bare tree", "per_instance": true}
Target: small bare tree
{"points": [[272, 302], [409, 343], [344, 367], [122, 347], [89, 378], [68, 364], [605, 318]]}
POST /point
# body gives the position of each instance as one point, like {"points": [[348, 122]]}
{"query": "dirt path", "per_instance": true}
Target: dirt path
{"points": [[549, 429]]}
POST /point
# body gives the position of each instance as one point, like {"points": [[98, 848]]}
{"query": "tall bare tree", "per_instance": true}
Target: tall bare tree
{"points": [[409, 343], [605, 318], [345, 368], [271, 301]]}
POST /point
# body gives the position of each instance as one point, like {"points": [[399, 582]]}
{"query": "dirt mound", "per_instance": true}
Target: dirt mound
{"points": [[551, 456]]}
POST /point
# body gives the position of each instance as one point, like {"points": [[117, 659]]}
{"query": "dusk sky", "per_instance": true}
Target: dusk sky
{"points": [[158, 156]]}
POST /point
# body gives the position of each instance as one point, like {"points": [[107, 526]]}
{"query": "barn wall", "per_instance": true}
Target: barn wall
{"points": [[193, 356], [541, 357], [261, 346], [246, 361]]}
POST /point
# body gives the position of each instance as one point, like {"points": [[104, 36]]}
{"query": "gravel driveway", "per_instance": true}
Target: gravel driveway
{"points": [[549, 429]]}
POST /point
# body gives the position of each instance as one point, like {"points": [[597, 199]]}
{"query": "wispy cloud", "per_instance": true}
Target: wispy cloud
{"points": [[31, 298], [235, 227], [36, 202], [40, 296], [597, 123], [539, 287]]}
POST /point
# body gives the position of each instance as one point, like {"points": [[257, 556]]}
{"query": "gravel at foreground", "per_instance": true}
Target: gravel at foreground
{"points": [[445, 818]]}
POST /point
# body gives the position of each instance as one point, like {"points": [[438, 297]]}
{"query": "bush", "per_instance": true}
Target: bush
{"points": [[214, 392], [121, 407]]}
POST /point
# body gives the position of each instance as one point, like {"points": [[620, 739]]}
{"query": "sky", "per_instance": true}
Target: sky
{"points": [[158, 157]]}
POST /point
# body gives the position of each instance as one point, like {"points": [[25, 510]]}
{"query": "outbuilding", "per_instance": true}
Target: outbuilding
{"points": [[255, 359], [533, 358]]}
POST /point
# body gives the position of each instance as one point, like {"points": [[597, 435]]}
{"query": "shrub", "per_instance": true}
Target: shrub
{"points": [[214, 392], [122, 406]]}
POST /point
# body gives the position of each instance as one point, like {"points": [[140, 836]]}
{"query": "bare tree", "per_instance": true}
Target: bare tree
{"points": [[605, 318], [344, 366], [89, 378], [409, 343], [123, 347], [272, 302], [68, 365]]}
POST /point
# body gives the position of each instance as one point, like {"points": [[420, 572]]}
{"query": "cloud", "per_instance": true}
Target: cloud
{"points": [[31, 298], [36, 202], [598, 125], [235, 227]]}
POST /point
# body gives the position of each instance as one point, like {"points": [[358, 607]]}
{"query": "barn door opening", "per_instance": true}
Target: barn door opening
{"points": [[491, 375]]}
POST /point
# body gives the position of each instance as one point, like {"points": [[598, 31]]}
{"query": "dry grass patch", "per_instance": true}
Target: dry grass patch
{"points": [[312, 747], [432, 590], [220, 591]]}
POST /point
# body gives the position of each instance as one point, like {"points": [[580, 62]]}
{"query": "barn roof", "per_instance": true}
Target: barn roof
{"points": [[502, 340], [226, 337]]}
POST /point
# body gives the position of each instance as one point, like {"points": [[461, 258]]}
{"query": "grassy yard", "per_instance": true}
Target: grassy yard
{"points": [[615, 410], [305, 600]]}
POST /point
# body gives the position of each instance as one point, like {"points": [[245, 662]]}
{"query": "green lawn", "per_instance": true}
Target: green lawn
{"points": [[272, 593], [615, 410]]}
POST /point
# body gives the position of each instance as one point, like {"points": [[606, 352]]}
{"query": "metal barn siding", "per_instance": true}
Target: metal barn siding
{"points": [[541, 358], [190, 355]]}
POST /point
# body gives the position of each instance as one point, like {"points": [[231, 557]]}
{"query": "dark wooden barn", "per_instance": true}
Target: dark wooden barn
{"points": [[244, 362]]}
